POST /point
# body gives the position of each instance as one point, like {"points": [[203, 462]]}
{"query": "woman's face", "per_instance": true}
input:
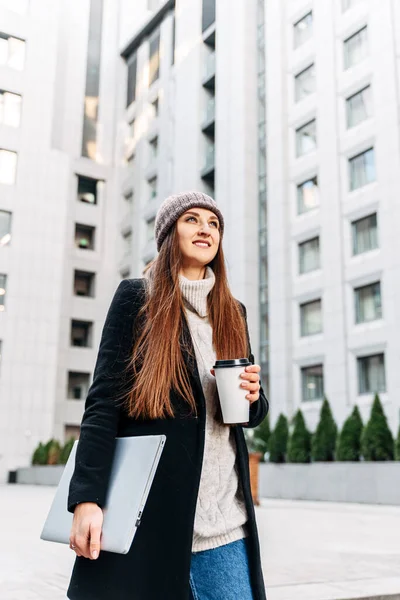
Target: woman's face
{"points": [[198, 224]]}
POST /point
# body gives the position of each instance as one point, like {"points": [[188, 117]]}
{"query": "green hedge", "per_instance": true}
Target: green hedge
{"points": [[349, 442], [52, 453], [377, 441], [299, 447], [324, 439], [278, 441]]}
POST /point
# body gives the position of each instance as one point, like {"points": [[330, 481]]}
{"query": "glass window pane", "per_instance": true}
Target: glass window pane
{"points": [[355, 48], [8, 167], [10, 109], [131, 85], [208, 14], [368, 302], [359, 107], [16, 53], [303, 30], [312, 383], [305, 83], [154, 60], [306, 138], [365, 234], [5, 227], [309, 255], [3, 285], [307, 195], [362, 169], [311, 317], [371, 374]]}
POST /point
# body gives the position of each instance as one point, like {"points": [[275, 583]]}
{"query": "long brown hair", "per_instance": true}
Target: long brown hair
{"points": [[157, 364]]}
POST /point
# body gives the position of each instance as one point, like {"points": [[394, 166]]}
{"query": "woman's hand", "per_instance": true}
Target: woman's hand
{"points": [[86, 530], [251, 382]]}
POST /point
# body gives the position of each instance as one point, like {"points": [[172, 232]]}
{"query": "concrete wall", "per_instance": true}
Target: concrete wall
{"points": [[370, 483]]}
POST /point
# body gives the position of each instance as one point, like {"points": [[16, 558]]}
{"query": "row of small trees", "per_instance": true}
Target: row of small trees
{"points": [[52, 453], [372, 442]]}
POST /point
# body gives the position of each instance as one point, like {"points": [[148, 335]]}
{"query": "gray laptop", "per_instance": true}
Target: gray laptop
{"points": [[134, 466]]}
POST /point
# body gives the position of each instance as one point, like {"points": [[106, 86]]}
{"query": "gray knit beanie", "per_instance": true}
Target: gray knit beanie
{"points": [[174, 206]]}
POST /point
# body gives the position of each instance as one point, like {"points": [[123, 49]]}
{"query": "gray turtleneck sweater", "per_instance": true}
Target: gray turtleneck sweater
{"points": [[220, 513]]}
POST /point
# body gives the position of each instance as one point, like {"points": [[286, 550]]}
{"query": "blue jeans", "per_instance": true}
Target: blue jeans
{"points": [[221, 573]]}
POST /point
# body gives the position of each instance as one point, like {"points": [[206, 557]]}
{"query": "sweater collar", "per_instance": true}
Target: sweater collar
{"points": [[195, 292]]}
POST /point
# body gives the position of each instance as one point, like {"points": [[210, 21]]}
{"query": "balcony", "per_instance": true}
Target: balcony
{"points": [[208, 171], [209, 72], [208, 126]]}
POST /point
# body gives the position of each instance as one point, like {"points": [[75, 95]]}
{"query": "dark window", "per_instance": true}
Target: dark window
{"points": [[312, 381], [365, 234], [208, 13], [81, 333], [87, 190], [78, 385], [84, 284], [131, 88], [84, 237], [5, 227], [371, 374], [154, 60]]}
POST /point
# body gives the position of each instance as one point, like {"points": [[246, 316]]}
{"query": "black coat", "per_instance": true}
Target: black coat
{"points": [[158, 563]]}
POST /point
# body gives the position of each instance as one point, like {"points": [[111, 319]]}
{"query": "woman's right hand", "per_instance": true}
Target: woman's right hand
{"points": [[86, 530]]}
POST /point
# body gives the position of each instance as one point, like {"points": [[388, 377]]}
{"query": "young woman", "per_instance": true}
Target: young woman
{"points": [[198, 538]]}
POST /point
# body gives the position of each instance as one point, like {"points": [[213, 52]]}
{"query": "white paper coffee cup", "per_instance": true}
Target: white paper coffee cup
{"points": [[235, 406]]}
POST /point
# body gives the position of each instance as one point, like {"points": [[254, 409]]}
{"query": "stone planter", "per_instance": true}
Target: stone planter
{"points": [[40, 475], [254, 466], [364, 482]]}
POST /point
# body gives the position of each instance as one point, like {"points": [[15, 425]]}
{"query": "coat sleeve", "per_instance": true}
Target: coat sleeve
{"points": [[99, 424], [258, 409]]}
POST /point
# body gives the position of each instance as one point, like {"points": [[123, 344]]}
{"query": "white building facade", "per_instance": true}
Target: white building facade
{"points": [[106, 108], [333, 146]]}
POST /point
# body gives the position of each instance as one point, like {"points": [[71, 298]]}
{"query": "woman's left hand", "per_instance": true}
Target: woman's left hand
{"points": [[251, 381]]}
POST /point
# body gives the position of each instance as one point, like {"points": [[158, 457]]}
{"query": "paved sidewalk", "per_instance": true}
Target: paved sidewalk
{"points": [[311, 551]]}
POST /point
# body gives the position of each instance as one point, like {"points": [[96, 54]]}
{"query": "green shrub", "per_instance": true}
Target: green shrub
{"points": [[349, 442], [278, 441], [324, 439], [377, 441], [397, 448], [66, 451], [53, 449], [40, 455], [262, 433], [299, 447]]}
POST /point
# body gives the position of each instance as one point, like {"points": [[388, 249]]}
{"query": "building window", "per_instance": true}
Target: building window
{"points": [[89, 138], [78, 385], [359, 107], [312, 380], [371, 374], [155, 108], [8, 167], [3, 286], [368, 305], [12, 52], [150, 229], [208, 14], [126, 273], [365, 234], [84, 236], [306, 138], [87, 190], [303, 30], [132, 73], [153, 187], [309, 256], [307, 195], [304, 83], [10, 109], [127, 243], [355, 48], [84, 283], [154, 59], [153, 148], [5, 227], [346, 4], [362, 169], [81, 333], [311, 317], [71, 431]]}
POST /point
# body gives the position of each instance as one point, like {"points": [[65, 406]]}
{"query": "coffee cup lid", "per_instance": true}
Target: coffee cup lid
{"points": [[233, 362]]}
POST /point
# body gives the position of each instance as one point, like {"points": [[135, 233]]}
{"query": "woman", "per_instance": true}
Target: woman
{"points": [[198, 537]]}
